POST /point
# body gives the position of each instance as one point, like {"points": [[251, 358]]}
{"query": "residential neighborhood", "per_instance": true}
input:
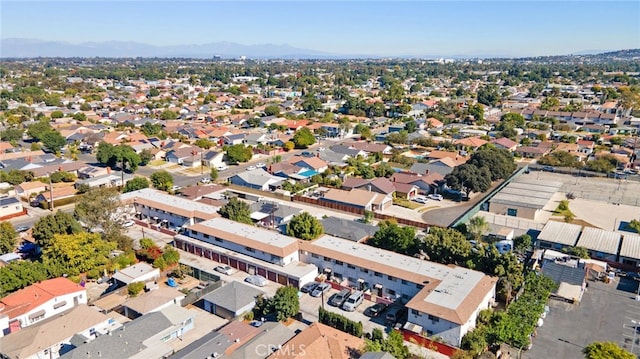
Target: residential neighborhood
{"points": [[161, 208]]}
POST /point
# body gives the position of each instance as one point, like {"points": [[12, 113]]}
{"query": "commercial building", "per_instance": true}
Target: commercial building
{"points": [[601, 244], [559, 235], [524, 198]]}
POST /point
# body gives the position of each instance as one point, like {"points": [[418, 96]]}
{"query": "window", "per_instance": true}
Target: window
{"points": [[353, 280], [391, 291], [419, 286], [249, 249], [391, 278], [315, 255], [275, 258], [405, 297], [434, 318], [339, 263], [416, 312], [205, 236], [364, 270], [351, 266], [404, 282], [429, 333], [377, 274], [327, 259], [217, 239]]}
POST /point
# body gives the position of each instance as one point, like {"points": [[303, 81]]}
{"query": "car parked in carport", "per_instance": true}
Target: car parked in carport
{"points": [[309, 287]]}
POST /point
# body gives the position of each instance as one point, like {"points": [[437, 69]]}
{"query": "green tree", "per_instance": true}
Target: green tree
{"points": [[446, 246], [303, 138], [168, 115], [39, 129], [73, 254], [239, 153], [213, 174], [237, 210], [203, 143], [151, 129], [478, 227], [522, 243], [606, 350], [153, 92], [100, 207], [395, 238], [53, 141], [635, 225], [57, 114], [469, 178], [52, 224], [363, 130], [136, 184], [8, 237], [19, 274], [145, 157], [285, 303], [272, 110], [579, 252], [604, 164], [135, 288], [11, 134], [305, 226], [162, 180], [488, 95], [499, 162]]}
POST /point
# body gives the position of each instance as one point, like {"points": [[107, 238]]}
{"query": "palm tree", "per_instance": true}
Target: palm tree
{"points": [[478, 227]]}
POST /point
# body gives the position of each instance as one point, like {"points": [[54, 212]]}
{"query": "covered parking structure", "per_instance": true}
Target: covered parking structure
{"points": [[600, 243], [524, 198]]}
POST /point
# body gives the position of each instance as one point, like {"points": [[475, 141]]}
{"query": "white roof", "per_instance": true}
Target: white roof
{"points": [[597, 239], [131, 273], [560, 232], [630, 246], [266, 236], [168, 200]]}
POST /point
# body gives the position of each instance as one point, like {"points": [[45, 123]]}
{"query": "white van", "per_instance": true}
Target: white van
{"points": [[353, 301]]}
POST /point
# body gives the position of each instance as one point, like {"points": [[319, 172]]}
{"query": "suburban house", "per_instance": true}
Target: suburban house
{"points": [[428, 183], [505, 143], [347, 229], [320, 341], [111, 179], [213, 159], [232, 300], [11, 207], [27, 189], [310, 163], [152, 301], [195, 193], [145, 337], [58, 193], [187, 156], [356, 200], [39, 301], [272, 214], [53, 338], [443, 301], [257, 179], [139, 272]]}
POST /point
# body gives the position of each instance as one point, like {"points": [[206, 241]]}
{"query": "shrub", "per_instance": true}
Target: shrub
{"points": [[340, 322], [135, 288], [248, 316], [93, 273]]}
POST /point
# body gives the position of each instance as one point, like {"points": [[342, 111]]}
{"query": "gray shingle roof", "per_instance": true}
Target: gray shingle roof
{"points": [[233, 296]]}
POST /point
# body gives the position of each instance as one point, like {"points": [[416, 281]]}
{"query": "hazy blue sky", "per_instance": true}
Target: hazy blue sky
{"points": [[514, 28]]}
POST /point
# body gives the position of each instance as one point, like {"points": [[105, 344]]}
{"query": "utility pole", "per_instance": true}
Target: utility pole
{"points": [[201, 161], [51, 192]]}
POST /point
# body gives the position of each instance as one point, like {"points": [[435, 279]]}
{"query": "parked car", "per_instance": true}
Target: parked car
{"points": [[251, 168], [435, 196], [339, 298], [256, 280], [176, 188], [256, 323], [309, 287], [420, 199], [225, 270], [205, 180], [354, 301], [395, 314], [128, 224], [375, 310], [22, 229], [222, 167], [320, 289], [307, 154], [261, 165]]}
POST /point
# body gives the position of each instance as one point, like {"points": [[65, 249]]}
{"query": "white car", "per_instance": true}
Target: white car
{"points": [[256, 280], [420, 199], [225, 270], [261, 165], [175, 188], [434, 196], [222, 168], [205, 180], [251, 168], [128, 224]]}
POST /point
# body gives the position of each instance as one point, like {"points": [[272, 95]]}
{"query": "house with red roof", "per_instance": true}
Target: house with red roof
{"points": [[505, 143], [39, 301]]}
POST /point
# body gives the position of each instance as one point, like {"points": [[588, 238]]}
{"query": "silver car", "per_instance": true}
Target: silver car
{"points": [[256, 280], [320, 288]]}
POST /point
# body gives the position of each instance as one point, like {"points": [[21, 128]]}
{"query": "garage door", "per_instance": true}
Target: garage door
{"points": [[262, 272], [272, 276], [224, 259], [233, 263], [252, 269], [282, 279], [294, 283], [216, 257], [207, 254], [242, 266]]}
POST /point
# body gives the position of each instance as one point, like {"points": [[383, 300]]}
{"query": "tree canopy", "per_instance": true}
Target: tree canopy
{"points": [[305, 226], [8, 237], [237, 210], [52, 224], [303, 138], [393, 237], [285, 302], [606, 350], [239, 153], [73, 254], [121, 155], [136, 184], [162, 180], [100, 208], [469, 178]]}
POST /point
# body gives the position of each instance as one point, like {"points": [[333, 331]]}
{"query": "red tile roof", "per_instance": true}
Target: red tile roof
{"points": [[33, 296]]}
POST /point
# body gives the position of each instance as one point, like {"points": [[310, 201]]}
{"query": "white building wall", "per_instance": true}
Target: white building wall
{"points": [[267, 257], [50, 311], [174, 220], [391, 287]]}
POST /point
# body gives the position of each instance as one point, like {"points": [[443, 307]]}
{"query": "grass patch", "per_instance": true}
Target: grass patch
{"points": [[564, 211], [405, 203], [157, 163]]}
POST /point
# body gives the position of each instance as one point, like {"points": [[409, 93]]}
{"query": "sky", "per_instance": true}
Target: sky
{"points": [[356, 27]]}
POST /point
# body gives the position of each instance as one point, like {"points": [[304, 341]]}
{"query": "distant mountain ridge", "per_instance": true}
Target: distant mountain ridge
{"points": [[29, 48], [17, 47]]}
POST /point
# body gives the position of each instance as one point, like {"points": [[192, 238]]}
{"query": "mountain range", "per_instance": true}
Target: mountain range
{"points": [[18, 47]]}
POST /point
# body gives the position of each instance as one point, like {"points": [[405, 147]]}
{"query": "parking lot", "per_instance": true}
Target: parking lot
{"points": [[605, 314]]}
